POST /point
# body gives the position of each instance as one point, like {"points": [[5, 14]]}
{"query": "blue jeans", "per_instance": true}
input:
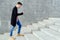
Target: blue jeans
{"points": [[12, 28]]}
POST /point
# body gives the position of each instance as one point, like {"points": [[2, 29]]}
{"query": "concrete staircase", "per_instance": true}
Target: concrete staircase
{"points": [[48, 29]]}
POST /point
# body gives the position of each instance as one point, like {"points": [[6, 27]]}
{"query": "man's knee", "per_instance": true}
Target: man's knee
{"points": [[20, 26]]}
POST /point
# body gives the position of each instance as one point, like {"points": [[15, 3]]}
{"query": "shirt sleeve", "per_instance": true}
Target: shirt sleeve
{"points": [[19, 13]]}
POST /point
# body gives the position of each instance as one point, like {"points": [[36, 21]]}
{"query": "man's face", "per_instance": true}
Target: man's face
{"points": [[19, 6]]}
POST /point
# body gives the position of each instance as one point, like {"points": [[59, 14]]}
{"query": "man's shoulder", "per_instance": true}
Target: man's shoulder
{"points": [[14, 7]]}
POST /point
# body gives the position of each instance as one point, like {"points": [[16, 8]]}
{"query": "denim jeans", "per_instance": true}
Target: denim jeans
{"points": [[12, 28]]}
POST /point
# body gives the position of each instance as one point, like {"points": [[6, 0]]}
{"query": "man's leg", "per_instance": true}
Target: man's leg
{"points": [[11, 33], [19, 28], [11, 30]]}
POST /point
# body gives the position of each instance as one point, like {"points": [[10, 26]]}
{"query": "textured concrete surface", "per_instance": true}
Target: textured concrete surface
{"points": [[34, 10]]}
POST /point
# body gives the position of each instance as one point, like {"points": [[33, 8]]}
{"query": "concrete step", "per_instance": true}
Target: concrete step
{"points": [[1, 37], [41, 24], [20, 38], [43, 35], [32, 27], [58, 24], [31, 37], [24, 30], [6, 36], [52, 33], [48, 22], [55, 27], [36, 26], [56, 20]]}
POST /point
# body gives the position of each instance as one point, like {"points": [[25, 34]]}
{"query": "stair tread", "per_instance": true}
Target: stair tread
{"points": [[43, 35], [20, 38], [52, 32], [32, 28], [24, 30], [31, 37], [55, 27]]}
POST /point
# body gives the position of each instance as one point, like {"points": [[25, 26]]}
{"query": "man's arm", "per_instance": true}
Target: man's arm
{"points": [[19, 13]]}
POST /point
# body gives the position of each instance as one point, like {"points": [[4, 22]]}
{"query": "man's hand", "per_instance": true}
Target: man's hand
{"points": [[21, 13]]}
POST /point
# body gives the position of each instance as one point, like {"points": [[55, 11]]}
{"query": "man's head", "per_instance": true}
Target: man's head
{"points": [[19, 4]]}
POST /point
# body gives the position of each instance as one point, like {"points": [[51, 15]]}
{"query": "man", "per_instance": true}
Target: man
{"points": [[15, 20]]}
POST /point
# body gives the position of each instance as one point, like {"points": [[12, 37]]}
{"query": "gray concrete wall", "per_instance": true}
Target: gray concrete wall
{"points": [[34, 10], [53, 8]]}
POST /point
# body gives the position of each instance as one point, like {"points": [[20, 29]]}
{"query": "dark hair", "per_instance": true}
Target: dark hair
{"points": [[19, 3]]}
